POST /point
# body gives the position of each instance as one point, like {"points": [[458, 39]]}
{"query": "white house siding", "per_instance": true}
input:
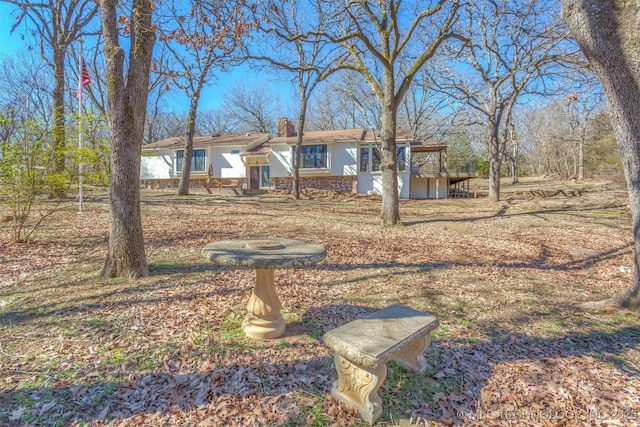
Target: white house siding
{"points": [[404, 185], [159, 165], [429, 188], [419, 188], [280, 159], [344, 159], [371, 183], [228, 165], [438, 188]]}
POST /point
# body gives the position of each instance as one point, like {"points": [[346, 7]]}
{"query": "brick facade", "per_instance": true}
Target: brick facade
{"points": [[343, 184], [195, 183]]}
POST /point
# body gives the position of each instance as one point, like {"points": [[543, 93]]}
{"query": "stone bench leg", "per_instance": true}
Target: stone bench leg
{"points": [[411, 357], [357, 386], [263, 319]]}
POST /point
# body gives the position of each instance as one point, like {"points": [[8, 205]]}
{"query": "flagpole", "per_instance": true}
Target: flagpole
{"points": [[80, 166]]}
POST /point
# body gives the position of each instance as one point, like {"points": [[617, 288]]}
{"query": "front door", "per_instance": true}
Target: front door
{"points": [[254, 177]]}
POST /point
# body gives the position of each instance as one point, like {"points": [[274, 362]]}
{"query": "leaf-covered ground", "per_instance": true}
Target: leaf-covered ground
{"points": [[504, 279]]}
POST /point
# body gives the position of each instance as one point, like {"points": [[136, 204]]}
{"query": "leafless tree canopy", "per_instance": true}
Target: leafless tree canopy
{"points": [[509, 47], [253, 106]]}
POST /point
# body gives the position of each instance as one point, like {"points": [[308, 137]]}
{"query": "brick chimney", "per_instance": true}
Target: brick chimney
{"points": [[285, 128]]}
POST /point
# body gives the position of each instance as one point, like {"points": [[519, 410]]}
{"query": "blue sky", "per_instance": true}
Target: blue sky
{"points": [[212, 96], [9, 43]]}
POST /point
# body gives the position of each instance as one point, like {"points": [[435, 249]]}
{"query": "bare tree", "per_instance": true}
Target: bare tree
{"points": [[329, 110], [163, 124], [215, 121], [158, 89], [25, 87], [127, 92], [345, 101], [542, 144], [292, 42], [421, 111], [355, 94], [561, 126], [580, 108], [253, 106], [161, 121], [58, 23], [511, 44], [380, 40], [202, 36], [555, 134], [607, 33]]}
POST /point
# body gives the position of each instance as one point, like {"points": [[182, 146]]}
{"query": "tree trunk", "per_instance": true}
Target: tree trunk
{"points": [[125, 256], [606, 31], [390, 210], [295, 172], [494, 179], [183, 187], [295, 190], [127, 105], [495, 163], [581, 160], [59, 126], [514, 154]]}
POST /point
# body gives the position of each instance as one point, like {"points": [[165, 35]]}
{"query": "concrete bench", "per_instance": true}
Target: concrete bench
{"points": [[364, 346]]}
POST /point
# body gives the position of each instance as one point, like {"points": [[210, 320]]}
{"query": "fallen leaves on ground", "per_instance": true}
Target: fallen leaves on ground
{"points": [[503, 279]]}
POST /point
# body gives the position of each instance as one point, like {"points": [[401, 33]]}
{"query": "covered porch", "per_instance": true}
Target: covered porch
{"points": [[430, 177]]}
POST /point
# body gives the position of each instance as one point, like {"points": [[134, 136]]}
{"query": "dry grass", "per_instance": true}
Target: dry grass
{"points": [[503, 278]]}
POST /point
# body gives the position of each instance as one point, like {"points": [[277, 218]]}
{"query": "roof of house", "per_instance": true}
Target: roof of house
{"points": [[258, 144], [428, 146], [232, 140], [322, 136], [401, 134], [326, 136], [261, 150]]}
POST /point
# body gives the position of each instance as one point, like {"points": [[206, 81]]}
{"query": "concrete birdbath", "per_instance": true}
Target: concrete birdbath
{"points": [[263, 319]]}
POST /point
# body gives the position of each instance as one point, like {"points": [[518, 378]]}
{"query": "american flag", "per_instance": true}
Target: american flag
{"points": [[83, 80]]}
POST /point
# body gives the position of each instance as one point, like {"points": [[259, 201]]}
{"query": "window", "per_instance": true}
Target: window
{"points": [[197, 160], [372, 163], [401, 159], [376, 159], [312, 156], [364, 159], [265, 177]]}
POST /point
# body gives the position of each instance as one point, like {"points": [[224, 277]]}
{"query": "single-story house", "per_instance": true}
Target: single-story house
{"points": [[214, 155], [342, 160]]}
